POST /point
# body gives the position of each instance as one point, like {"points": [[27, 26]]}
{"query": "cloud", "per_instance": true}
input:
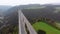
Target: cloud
{"points": [[21, 2]]}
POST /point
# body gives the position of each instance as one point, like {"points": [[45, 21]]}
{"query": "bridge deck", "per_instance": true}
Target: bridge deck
{"points": [[22, 22]]}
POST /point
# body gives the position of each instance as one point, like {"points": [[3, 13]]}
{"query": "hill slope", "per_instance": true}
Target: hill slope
{"points": [[47, 28]]}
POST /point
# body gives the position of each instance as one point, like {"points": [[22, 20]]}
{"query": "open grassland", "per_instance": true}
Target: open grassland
{"points": [[45, 27]]}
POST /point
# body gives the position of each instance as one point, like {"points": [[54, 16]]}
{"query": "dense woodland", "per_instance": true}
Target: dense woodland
{"points": [[46, 14]]}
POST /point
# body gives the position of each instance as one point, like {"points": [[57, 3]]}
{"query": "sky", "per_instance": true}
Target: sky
{"points": [[24, 2]]}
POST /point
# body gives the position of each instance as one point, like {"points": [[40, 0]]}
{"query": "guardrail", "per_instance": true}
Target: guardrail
{"points": [[24, 26]]}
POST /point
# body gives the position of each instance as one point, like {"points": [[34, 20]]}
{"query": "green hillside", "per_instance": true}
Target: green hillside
{"points": [[45, 27]]}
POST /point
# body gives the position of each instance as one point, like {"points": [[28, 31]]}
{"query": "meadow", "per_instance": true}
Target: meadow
{"points": [[45, 27]]}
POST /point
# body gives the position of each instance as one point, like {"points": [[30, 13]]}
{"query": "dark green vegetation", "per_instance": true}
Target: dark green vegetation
{"points": [[47, 14], [35, 14], [47, 21], [11, 19], [45, 27], [12, 29]]}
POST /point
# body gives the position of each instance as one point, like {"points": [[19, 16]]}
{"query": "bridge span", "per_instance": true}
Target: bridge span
{"points": [[24, 26]]}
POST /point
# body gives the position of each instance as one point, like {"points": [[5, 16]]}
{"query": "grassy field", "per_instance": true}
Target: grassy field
{"points": [[45, 27]]}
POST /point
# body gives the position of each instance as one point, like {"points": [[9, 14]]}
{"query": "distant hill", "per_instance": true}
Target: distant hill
{"points": [[4, 7], [47, 11], [54, 5], [15, 8]]}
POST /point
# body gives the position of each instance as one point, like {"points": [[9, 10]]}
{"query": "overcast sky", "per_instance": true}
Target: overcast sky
{"points": [[23, 2]]}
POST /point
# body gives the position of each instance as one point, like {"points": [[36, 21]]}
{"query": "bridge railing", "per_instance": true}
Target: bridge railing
{"points": [[24, 26]]}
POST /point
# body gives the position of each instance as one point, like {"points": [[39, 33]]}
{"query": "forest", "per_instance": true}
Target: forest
{"points": [[47, 15]]}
